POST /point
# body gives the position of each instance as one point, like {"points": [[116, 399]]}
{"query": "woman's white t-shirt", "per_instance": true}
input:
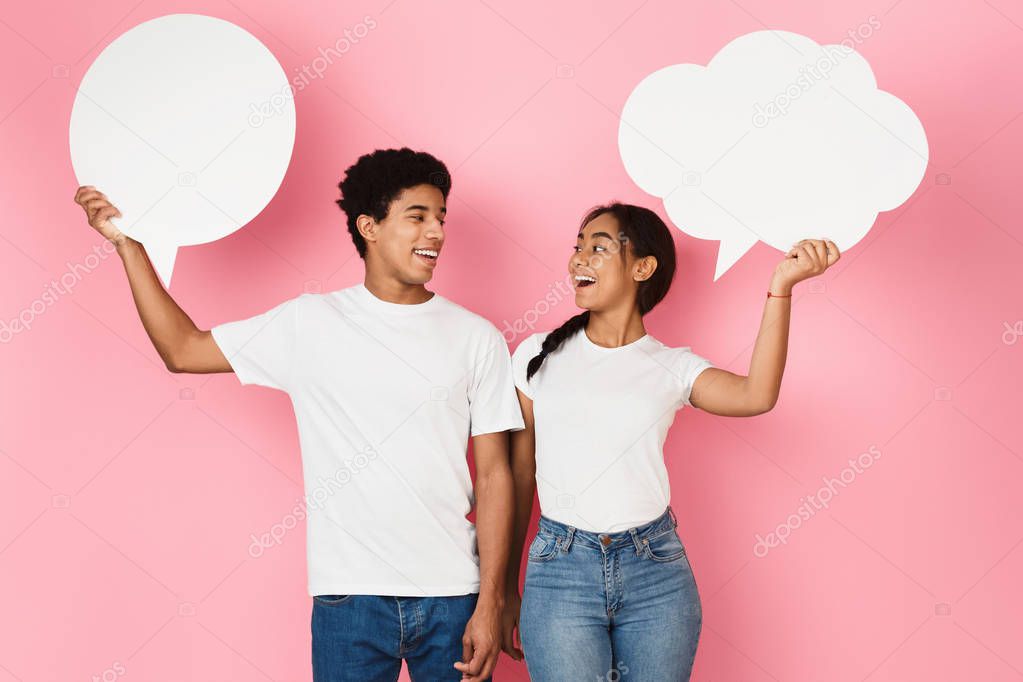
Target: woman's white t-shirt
{"points": [[601, 416]]}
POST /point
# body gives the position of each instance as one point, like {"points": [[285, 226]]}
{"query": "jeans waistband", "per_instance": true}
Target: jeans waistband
{"points": [[664, 523]]}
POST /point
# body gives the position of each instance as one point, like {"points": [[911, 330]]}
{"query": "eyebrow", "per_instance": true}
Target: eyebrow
{"points": [[597, 234], [419, 207]]}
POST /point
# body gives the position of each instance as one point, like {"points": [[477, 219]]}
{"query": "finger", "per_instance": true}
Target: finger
{"points": [[488, 666], [94, 204], [518, 654], [476, 664], [833, 253], [84, 195], [463, 665], [471, 669], [798, 247], [106, 213], [822, 251], [508, 640], [513, 652], [811, 255]]}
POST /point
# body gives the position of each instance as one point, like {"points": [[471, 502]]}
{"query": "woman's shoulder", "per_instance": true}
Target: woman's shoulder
{"points": [[532, 343], [675, 356]]}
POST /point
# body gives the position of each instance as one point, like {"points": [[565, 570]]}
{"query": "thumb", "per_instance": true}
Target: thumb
{"points": [[463, 665]]}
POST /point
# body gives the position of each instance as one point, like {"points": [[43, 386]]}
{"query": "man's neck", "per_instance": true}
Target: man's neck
{"points": [[395, 291]]}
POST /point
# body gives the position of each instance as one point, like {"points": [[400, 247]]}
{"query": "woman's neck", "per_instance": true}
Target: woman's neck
{"points": [[612, 329]]}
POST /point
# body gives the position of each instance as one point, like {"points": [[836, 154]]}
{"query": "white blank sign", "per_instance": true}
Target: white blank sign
{"points": [[187, 124]]}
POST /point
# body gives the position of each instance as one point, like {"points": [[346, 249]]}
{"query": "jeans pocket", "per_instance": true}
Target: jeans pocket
{"points": [[664, 547], [544, 547], [332, 599]]}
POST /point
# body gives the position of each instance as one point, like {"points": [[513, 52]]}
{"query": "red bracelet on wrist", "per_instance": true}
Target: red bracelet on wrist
{"points": [[770, 295]]}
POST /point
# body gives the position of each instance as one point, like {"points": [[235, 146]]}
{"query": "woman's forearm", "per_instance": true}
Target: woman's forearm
{"points": [[523, 468], [767, 365]]}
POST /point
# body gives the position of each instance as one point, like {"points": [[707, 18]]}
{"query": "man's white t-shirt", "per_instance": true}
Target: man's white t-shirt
{"points": [[601, 417], [386, 396]]}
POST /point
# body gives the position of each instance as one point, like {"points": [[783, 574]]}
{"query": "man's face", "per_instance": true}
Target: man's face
{"points": [[407, 243]]}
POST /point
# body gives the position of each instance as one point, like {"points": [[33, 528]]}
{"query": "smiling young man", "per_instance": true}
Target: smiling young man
{"points": [[388, 381]]}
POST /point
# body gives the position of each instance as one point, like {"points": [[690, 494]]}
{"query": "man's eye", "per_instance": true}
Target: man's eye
{"points": [[417, 217]]}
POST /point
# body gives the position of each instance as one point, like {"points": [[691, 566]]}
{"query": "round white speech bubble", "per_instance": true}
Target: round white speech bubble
{"points": [[777, 139], [187, 124]]}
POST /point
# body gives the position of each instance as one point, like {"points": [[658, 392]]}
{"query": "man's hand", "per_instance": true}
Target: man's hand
{"points": [[99, 211], [510, 626], [481, 643]]}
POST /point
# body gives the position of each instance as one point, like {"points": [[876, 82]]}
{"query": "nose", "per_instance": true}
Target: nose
{"points": [[435, 230]]}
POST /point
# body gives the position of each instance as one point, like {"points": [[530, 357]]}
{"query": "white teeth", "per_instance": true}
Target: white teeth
{"points": [[585, 278], [426, 252]]}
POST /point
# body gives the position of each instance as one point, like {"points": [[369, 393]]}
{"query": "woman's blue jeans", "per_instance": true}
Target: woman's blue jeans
{"points": [[609, 606]]}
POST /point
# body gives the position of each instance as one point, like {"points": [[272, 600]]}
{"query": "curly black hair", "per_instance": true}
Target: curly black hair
{"points": [[377, 179]]}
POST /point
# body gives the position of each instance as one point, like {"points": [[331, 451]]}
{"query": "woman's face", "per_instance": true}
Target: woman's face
{"points": [[602, 266]]}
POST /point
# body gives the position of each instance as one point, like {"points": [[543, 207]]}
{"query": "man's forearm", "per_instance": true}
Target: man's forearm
{"points": [[494, 502], [166, 323]]}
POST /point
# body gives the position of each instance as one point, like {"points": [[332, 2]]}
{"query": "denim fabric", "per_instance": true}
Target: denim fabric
{"points": [[609, 606], [363, 638]]}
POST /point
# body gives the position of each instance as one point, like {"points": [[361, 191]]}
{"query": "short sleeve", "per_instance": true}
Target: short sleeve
{"points": [[493, 405], [527, 350], [262, 348], [689, 367]]}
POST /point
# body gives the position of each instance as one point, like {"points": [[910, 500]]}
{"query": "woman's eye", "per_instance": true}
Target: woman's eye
{"points": [[599, 248], [577, 249], [417, 217]]}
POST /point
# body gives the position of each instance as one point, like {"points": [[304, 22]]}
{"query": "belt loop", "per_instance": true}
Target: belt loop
{"points": [[674, 520], [568, 539], [636, 540]]}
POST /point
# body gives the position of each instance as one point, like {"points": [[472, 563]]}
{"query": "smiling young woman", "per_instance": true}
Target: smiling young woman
{"points": [[598, 396]]}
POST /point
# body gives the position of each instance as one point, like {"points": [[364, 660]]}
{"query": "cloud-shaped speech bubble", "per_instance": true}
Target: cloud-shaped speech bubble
{"points": [[187, 123], [777, 139]]}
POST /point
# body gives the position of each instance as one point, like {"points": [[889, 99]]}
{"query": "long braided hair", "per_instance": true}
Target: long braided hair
{"points": [[647, 235]]}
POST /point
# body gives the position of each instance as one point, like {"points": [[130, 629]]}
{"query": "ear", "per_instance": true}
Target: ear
{"points": [[367, 227], [644, 268]]}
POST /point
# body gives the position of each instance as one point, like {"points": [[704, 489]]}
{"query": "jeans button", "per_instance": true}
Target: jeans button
{"points": [[605, 540]]}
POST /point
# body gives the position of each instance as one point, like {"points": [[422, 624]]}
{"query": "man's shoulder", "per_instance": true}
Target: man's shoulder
{"points": [[472, 321]]}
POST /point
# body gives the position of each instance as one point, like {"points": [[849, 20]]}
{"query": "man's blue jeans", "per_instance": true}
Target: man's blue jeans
{"points": [[609, 606], [363, 638]]}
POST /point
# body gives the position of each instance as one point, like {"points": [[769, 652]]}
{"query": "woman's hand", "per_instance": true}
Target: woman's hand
{"points": [[807, 258]]}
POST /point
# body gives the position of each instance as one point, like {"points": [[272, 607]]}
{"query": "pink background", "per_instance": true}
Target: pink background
{"points": [[130, 495]]}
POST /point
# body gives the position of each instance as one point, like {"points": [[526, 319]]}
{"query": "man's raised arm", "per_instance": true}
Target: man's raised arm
{"points": [[182, 346]]}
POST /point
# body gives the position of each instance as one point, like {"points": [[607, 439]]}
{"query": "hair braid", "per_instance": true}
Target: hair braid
{"points": [[554, 340]]}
